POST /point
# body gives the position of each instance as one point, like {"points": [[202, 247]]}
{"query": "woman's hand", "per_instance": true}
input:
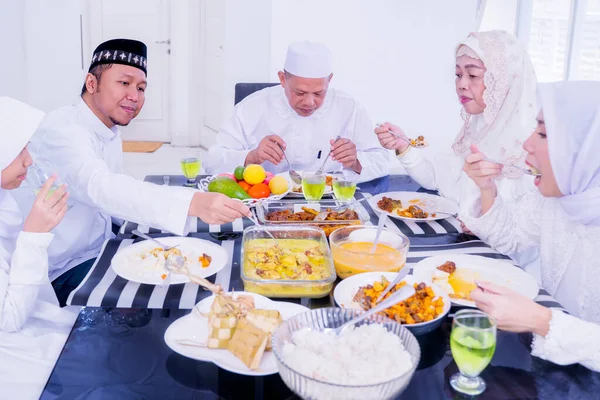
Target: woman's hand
{"points": [[481, 172], [389, 141], [512, 311], [47, 210]]}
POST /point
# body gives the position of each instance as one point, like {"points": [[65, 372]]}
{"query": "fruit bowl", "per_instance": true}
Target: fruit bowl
{"points": [[203, 186]]}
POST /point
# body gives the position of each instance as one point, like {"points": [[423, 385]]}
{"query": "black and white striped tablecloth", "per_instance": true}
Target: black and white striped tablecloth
{"points": [[103, 288]]}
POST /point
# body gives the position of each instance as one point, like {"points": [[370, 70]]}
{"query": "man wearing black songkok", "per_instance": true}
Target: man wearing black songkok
{"points": [[83, 143]]}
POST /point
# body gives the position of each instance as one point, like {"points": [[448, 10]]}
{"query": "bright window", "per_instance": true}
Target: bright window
{"points": [[562, 36], [548, 38]]}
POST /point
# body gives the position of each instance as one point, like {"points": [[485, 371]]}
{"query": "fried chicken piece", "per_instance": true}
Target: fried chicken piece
{"points": [[387, 204], [449, 267]]}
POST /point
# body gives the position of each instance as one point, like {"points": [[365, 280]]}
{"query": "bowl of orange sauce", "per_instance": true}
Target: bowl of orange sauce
{"points": [[351, 250]]}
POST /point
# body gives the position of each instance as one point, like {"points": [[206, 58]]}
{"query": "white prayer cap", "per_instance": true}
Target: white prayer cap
{"points": [[18, 122], [308, 60]]}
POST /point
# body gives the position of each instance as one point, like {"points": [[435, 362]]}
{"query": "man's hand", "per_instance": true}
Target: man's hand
{"points": [[344, 152], [270, 149], [216, 208], [47, 210]]}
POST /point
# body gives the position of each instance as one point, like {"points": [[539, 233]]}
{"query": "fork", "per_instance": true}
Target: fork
{"points": [[436, 212], [525, 170], [320, 170], [417, 145], [143, 235]]}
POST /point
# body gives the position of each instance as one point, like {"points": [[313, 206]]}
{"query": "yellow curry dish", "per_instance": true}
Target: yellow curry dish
{"points": [[287, 267]]}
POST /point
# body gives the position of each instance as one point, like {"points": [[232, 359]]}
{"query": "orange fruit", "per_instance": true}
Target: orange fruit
{"points": [[245, 185], [259, 191]]}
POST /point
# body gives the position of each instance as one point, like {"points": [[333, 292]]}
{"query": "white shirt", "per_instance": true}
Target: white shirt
{"points": [[33, 328], [268, 112], [89, 157], [570, 269]]}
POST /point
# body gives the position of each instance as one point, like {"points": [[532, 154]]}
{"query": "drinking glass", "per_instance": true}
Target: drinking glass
{"points": [[313, 186], [344, 184], [37, 175], [473, 342], [191, 168]]}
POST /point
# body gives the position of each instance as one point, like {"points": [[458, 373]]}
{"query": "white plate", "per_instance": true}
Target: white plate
{"points": [[125, 265], [492, 270], [328, 189], [203, 186], [194, 327], [427, 202], [344, 292]]}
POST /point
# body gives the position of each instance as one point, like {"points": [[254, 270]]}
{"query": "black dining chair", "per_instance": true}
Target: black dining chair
{"points": [[242, 90]]}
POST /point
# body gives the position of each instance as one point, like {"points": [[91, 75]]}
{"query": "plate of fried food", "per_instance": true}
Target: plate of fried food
{"points": [[144, 262], [413, 206], [456, 275], [421, 313], [233, 331], [328, 214]]}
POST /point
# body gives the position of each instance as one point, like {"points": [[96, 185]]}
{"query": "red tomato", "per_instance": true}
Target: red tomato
{"points": [[245, 185], [259, 191]]}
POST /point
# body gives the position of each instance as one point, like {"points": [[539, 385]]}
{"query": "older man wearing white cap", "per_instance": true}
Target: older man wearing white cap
{"points": [[302, 117]]}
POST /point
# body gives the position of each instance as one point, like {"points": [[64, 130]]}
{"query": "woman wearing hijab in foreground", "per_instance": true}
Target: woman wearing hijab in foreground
{"points": [[562, 218], [33, 328], [495, 83]]}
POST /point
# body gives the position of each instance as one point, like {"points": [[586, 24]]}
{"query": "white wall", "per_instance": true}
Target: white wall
{"points": [[247, 45], [44, 37], [395, 56], [13, 77]]}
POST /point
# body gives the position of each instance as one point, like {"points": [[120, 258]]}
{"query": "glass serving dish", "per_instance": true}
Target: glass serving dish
{"points": [[308, 387], [304, 270], [265, 209], [351, 250]]}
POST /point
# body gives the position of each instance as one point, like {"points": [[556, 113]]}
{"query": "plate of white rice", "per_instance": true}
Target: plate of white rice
{"points": [[143, 262]]}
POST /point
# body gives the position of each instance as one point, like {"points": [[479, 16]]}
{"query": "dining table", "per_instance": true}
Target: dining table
{"points": [[116, 349]]}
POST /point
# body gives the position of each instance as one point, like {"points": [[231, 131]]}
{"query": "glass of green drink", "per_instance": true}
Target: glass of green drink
{"points": [[313, 186], [37, 175], [344, 184], [473, 342], [191, 168]]}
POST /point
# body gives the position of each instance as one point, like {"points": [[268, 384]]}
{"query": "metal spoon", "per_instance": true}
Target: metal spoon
{"points": [[296, 178], [320, 170], [400, 295], [401, 275], [380, 224], [525, 170], [418, 145], [143, 235]]}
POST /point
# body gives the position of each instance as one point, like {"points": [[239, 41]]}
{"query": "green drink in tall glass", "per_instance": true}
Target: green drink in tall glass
{"points": [[473, 343], [191, 169], [313, 187]]}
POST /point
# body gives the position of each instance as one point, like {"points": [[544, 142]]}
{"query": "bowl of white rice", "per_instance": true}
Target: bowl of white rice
{"points": [[374, 360]]}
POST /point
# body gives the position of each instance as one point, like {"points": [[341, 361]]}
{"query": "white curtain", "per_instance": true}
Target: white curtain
{"points": [[479, 14]]}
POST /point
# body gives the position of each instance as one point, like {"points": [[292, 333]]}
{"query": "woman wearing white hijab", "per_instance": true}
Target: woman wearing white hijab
{"points": [[33, 328], [23, 257], [495, 82], [562, 218]]}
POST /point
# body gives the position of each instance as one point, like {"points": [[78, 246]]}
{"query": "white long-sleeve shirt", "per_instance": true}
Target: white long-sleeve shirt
{"points": [[570, 270], [88, 157], [444, 173], [268, 112], [20, 283]]}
